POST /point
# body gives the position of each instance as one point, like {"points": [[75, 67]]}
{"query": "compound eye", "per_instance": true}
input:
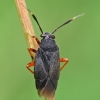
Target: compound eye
{"points": [[52, 36]]}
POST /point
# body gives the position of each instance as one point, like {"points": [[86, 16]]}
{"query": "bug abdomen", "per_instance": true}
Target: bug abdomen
{"points": [[47, 88]]}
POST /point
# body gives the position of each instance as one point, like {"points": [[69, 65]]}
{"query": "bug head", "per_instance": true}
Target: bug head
{"points": [[47, 35]]}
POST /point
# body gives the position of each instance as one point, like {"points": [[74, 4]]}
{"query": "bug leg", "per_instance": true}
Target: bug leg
{"points": [[63, 60], [37, 40], [30, 50], [30, 65]]}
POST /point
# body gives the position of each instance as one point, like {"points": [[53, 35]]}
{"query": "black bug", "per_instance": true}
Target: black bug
{"points": [[47, 62]]}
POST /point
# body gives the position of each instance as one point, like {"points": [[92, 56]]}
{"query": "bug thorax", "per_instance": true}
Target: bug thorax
{"points": [[48, 42]]}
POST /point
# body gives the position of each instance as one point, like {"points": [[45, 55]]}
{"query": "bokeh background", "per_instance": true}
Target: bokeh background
{"points": [[79, 41]]}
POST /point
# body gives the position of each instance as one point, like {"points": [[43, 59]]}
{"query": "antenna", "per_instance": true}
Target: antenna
{"points": [[67, 22], [34, 18]]}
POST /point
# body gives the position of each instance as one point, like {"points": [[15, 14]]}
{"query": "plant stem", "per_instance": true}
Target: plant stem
{"points": [[26, 24]]}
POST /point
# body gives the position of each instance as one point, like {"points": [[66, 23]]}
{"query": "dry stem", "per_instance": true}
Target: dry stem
{"points": [[26, 23]]}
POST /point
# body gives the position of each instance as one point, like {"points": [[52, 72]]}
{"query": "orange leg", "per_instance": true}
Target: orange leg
{"points": [[63, 60], [30, 50], [37, 40], [30, 65]]}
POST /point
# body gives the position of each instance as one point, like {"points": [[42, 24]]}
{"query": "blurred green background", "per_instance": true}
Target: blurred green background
{"points": [[79, 41]]}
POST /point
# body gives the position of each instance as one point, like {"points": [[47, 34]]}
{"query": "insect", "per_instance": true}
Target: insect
{"points": [[47, 61]]}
